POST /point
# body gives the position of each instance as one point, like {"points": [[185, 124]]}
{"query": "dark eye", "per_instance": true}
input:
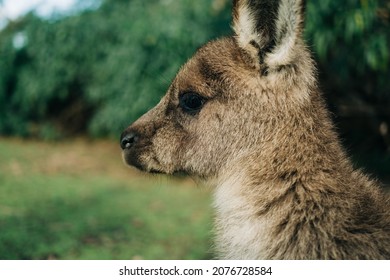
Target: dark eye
{"points": [[191, 102]]}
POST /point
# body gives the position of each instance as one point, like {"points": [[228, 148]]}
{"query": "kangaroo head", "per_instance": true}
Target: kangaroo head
{"points": [[227, 101]]}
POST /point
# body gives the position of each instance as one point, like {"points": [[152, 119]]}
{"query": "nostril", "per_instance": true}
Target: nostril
{"points": [[128, 139]]}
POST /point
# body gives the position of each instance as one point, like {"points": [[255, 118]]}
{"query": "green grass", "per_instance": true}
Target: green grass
{"points": [[76, 200]]}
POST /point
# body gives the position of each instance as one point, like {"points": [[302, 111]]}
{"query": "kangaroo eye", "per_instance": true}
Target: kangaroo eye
{"points": [[191, 102]]}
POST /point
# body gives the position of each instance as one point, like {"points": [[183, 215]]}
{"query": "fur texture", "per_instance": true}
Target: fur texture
{"points": [[245, 114]]}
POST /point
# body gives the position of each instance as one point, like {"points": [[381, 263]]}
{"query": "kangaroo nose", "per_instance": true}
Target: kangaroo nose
{"points": [[128, 139]]}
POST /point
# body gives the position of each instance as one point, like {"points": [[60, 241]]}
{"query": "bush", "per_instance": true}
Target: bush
{"points": [[99, 70], [96, 71]]}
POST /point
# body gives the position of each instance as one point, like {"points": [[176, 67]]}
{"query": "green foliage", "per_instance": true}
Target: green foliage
{"points": [[152, 40], [98, 70], [102, 69], [352, 41]]}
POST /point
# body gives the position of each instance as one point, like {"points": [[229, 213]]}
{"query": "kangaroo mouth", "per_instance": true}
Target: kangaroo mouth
{"points": [[137, 159], [131, 162], [131, 158], [155, 171]]}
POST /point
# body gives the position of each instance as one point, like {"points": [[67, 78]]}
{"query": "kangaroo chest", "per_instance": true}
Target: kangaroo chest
{"points": [[240, 233]]}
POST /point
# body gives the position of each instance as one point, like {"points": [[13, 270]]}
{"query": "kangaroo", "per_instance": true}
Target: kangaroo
{"points": [[246, 115]]}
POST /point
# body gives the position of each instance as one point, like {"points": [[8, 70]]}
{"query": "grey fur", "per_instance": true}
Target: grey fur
{"points": [[284, 187]]}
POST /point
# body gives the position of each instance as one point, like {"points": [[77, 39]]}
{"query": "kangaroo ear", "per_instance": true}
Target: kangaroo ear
{"points": [[269, 30]]}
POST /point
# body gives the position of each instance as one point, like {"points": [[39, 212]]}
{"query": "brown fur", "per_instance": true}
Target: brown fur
{"points": [[284, 187]]}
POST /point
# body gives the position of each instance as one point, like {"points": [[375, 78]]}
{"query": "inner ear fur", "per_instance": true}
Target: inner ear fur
{"points": [[269, 30]]}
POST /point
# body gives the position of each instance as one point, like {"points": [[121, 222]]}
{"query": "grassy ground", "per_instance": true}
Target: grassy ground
{"points": [[76, 200]]}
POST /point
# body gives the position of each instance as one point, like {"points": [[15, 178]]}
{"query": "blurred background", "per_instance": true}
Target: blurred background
{"points": [[75, 73]]}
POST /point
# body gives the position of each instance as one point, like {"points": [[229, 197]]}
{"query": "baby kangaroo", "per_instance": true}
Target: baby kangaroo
{"points": [[246, 115]]}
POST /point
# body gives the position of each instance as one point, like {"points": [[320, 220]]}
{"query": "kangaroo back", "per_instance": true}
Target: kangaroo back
{"points": [[245, 115]]}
